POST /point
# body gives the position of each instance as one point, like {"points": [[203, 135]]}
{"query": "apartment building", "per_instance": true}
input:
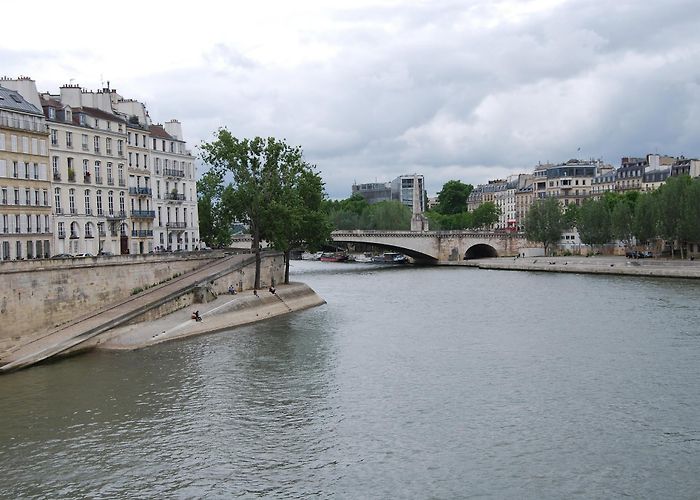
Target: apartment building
{"points": [[175, 199], [141, 212], [86, 150], [26, 228]]}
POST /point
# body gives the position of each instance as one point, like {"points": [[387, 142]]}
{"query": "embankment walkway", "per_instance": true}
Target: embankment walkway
{"points": [[71, 335], [665, 268]]}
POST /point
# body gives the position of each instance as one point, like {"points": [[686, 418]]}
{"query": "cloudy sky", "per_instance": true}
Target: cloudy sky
{"points": [[371, 89]]}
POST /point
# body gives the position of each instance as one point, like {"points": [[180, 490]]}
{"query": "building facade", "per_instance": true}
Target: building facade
{"points": [[175, 198], [26, 228]]}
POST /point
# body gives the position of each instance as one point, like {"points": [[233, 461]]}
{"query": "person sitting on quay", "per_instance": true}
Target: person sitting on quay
{"points": [[195, 316], [232, 290], [272, 290]]}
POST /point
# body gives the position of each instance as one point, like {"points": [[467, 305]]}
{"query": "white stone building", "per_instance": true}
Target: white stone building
{"points": [[25, 201], [176, 226]]}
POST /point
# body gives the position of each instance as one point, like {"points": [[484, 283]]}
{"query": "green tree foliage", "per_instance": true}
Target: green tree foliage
{"points": [[215, 217], [545, 222], [594, 222], [645, 224], [485, 215], [296, 218], [452, 199], [356, 213], [670, 208], [266, 188], [621, 222], [571, 214]]}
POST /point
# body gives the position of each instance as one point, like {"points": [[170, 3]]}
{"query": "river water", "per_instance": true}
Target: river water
{"points": [[409, 383]]}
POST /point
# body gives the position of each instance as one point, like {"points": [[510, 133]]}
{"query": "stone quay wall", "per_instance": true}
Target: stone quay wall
{"points": [[36, 296]]}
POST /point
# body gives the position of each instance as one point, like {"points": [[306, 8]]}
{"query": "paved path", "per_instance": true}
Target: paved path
{"points": [[666, 268], [72, 334]]}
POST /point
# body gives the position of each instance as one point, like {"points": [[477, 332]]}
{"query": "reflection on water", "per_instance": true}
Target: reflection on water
{"points": [[410, 382]]}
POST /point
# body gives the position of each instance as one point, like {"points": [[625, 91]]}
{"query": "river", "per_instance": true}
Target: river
{"points": [[409, 383]]}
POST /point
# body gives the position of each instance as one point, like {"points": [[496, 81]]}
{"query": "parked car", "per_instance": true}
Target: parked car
{"points": [[105, 254], [647, 255], [62, 256], [83, 255]]}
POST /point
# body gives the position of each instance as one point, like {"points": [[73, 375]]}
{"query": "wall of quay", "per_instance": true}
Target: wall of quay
{"points": [[36, 296]]}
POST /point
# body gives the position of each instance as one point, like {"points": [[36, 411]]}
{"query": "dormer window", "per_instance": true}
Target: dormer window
{"points": [[69, 115], [52, 113], [97, 123], [81, 118]]}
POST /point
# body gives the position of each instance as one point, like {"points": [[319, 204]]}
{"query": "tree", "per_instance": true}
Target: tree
{"points": [[621, 221], [296, 217], [594, 222], [485, 215], [452, 199], [260, 168], [691, 212], [544, 222], [670, 209], [644, 224], [215, 217]]}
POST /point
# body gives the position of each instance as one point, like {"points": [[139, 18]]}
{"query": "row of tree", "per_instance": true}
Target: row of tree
{"points": [[356, 213], [671, 213], [266, 184]]}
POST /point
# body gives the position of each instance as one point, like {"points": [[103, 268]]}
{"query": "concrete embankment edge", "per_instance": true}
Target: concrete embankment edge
{"points": [[594, 265], [224, 313]]}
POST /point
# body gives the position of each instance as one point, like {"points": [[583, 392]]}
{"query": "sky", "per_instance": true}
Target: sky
{"points": [[372, 89]]}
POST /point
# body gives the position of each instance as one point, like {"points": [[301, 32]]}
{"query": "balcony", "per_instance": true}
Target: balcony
{"points": [[102, 233], [175, 196], [169, 172], [98, 179], [116, 215], [88, 211], [87, 179], [122, 182], [110, 181], [71, 177], [143, 214], [142, 233], [56, 176], [85, 147], [140, 191], [176, 225], [62, 235]]}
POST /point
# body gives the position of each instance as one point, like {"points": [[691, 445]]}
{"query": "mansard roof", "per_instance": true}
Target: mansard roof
{"points": [[13, 101], [159, 132]]}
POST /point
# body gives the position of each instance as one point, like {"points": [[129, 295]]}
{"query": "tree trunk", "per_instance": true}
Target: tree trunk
{"points": [[256, 249], [286, 266]]}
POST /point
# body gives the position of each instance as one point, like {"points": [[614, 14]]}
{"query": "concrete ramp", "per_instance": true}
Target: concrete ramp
{"points": [[72, 334]]}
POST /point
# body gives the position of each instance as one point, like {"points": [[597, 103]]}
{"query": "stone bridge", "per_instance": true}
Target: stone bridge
{"points": [[440, 247]]}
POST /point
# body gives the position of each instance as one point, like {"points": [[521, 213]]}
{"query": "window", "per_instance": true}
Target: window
{"points": [[120, 147], [99, 202], [61, 229], [52, 113], [110, 202], [86, 167], [122, 207], [128, 138], [130, 155], [54, 137], [71, 200], [54, 166], [69, 139], [57, 200], [3, 200], [85, 142], [110, 179], [108, 145], [47, 229], [97, 144], [88, 230], [37, 198], [16, 196], [88, 209]]}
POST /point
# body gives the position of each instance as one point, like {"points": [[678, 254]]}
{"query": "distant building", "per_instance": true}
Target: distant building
{"points": [[402, 190], [686, 166], [373, 192], [26, 229]]}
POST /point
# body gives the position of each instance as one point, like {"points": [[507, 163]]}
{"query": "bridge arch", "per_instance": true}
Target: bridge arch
{"points": [[480, 251]]}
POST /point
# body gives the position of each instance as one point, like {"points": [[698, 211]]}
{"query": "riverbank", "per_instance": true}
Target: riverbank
{"points": [[223, 313], [595, 265]]}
